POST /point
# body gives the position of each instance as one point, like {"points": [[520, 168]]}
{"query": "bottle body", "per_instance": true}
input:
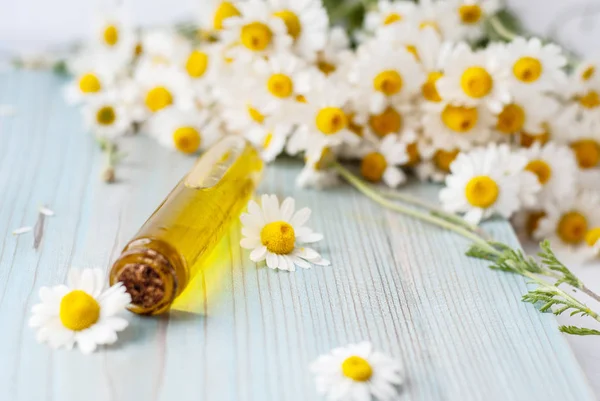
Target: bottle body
{"points": [[168, 251]]}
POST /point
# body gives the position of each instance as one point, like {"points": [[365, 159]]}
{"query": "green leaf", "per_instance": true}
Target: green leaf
{"points": [[579, 331]]}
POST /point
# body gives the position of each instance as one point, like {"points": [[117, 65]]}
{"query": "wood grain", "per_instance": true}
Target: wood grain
{"points": [[459, 328]]}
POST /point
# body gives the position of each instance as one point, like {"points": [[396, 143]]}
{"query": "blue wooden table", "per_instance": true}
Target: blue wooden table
{"points": [[459, 328]]}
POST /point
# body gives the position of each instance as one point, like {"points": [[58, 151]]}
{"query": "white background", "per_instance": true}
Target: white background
{"points": [[34, 25]]}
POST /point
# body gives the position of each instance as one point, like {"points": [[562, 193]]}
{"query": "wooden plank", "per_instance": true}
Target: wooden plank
{"points": [[460, 329]]}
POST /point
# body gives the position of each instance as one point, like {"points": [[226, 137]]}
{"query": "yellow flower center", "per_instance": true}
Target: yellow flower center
{"points": [[280, 85], [590, 100], [300, 99], [256, 36], [387, 122], [476, 82], [592, 236], [533, 220], [111, 35], [511, 119], [459, 119], [444, 158], [541, 169], [331, 120], [106, 115], [196, 64], [470, 14], [255, 115], [391, 18], [587, 152], [373, 166], [572, 227], [186, 139], [588, 73], [79, 310], [354, 126], [279, 237], [429, 89], [292, 22], [325, 67], [224, 10], [89, 83], [389, 82], [357, 369], [482, 191], [158, 98], [414, 157], [527, 69]]}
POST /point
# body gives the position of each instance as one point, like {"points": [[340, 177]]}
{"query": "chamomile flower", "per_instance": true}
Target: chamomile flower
{"points": [[160, 87], [399, 117], [584, 141], [381, 162], [82, 312], [114, 32], [335, 58], [449, 126], [325, 118], [465, 19], [213, 14], [567, 221], [389, 13], [357, 372], [474, 77], [185, 131], [107, 116], [306, 22], [202, 66], [280, 85], [316, 172], [591, 249], [255, 33], [383, 75], [436, 166], [587, 73], [535, 66], [479, 185], [555, 168], [162, 47], [275, 234], [583, 106], [87, 84], [527, 112], [269, 142]]}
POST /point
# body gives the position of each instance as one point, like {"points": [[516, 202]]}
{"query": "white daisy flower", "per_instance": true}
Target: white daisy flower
{"points": [[384, 75], [465, 19], [82, 312], [389, 13], [381, 162], [430, 14], [527, 112], [555, 168], [587, 73], [592, 241], [480, 185], [316, 172], [436, 166], [583, 106], [162, 46], [474, 77], [107, 116], [399, 117], [185, 131], [306, 22], [567, 221], [203, 65], [325, 118], [113, 31], [450, 126], [240, 114], [357, 373], [275, 234], [255, 33], [336, 57], [280, 85], [534, 65], [88, 83], [158, 87], [584, 140]]}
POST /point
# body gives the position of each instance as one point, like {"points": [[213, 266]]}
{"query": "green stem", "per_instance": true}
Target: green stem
{"points": [[375, 196], [500, 29], [434, 210]]}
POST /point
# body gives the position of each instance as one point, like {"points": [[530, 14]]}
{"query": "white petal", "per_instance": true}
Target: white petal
{"points": [[272, 261], [287, 209], [300, 217], [249, 243], [393, 176], [85, 342], [310, 238], [22, 230], [301, 262], [45, 211], [252, 221], [117, 323], [258, 254]]}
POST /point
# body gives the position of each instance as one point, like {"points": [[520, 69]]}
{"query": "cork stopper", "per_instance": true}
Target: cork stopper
{"points": [[149, 278]]}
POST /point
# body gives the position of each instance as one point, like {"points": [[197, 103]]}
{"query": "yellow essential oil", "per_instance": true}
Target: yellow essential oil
{"points": [[169, 249]]}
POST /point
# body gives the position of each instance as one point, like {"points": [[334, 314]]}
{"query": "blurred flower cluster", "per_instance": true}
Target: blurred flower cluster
{"points": [[511, 127]]}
